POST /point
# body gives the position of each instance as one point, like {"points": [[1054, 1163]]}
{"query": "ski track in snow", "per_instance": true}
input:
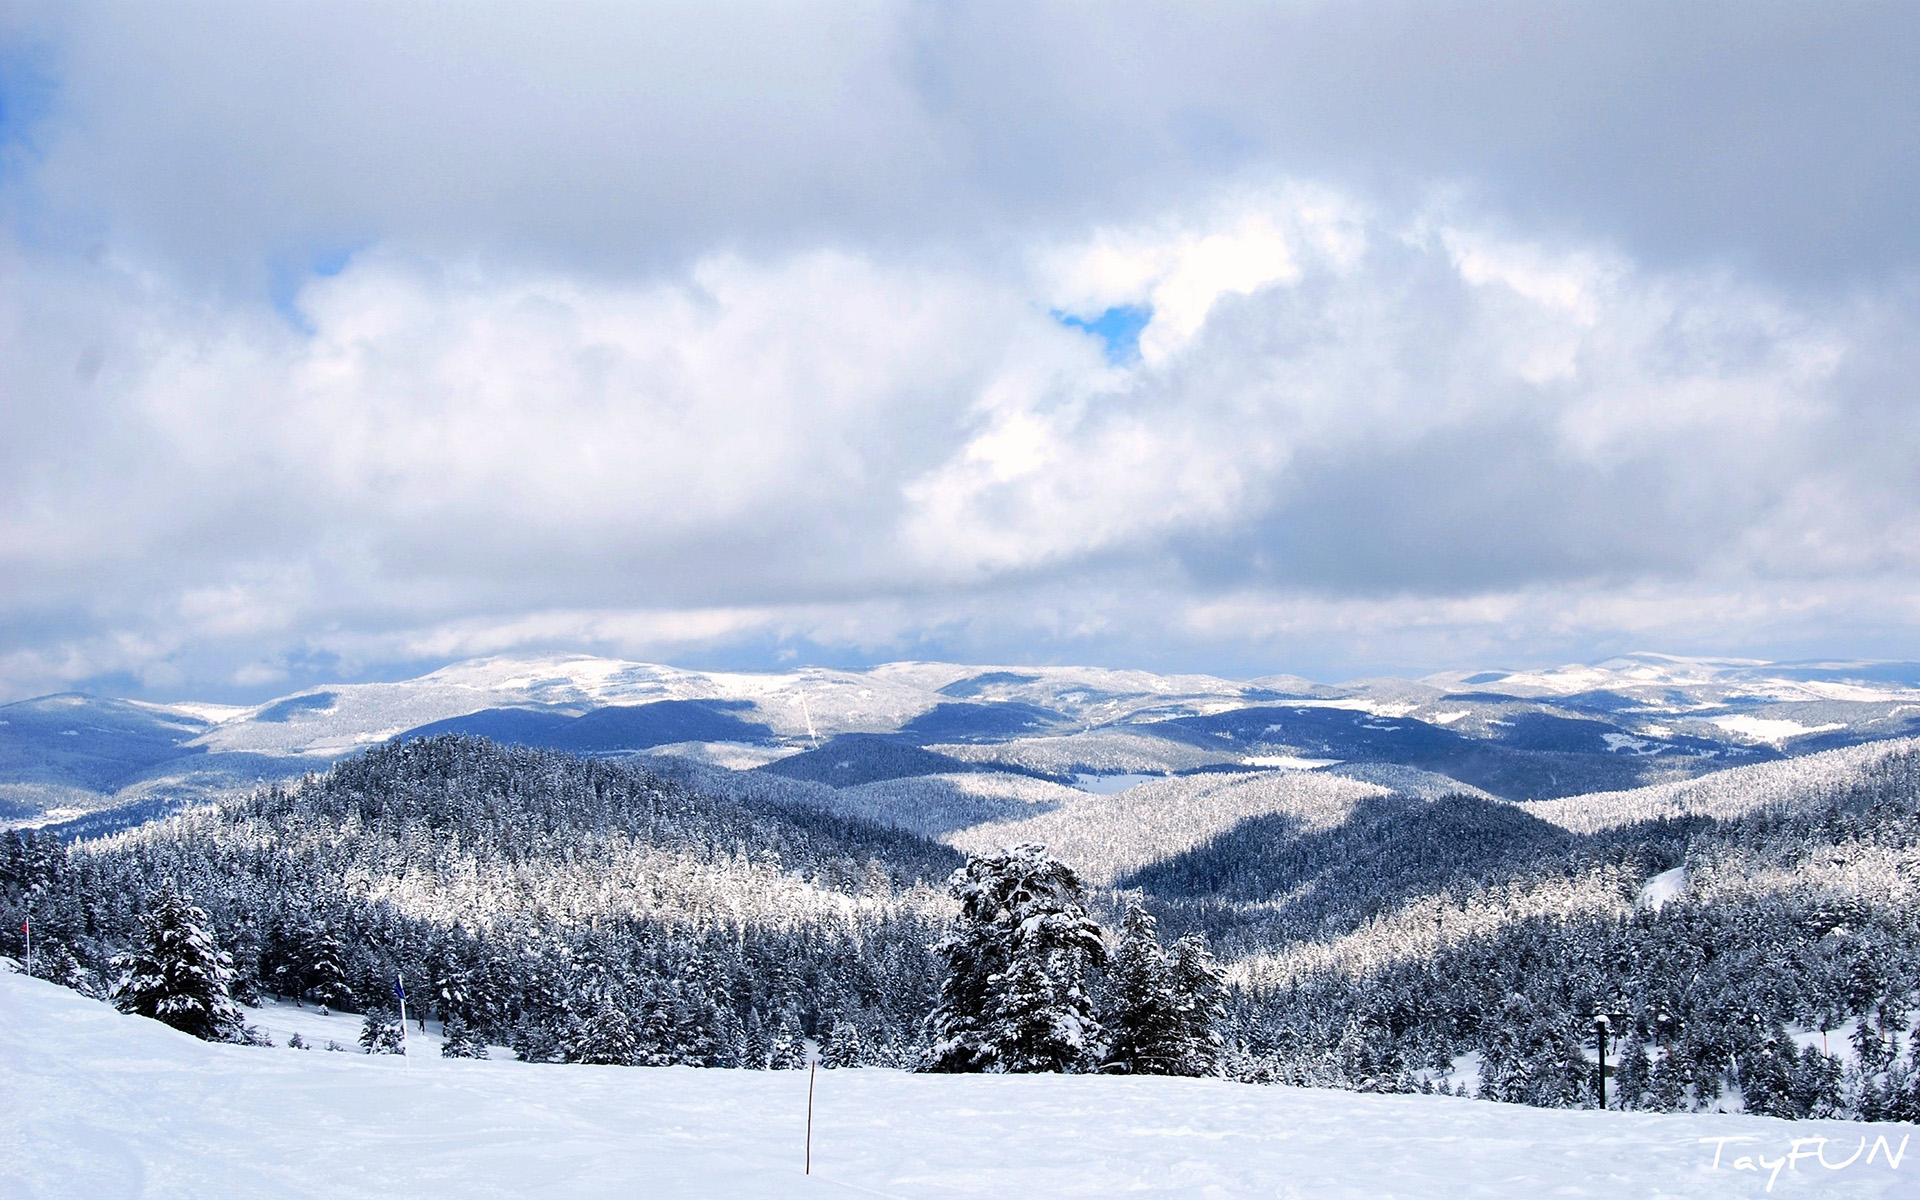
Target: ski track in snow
{"points": [[97, 1104]]}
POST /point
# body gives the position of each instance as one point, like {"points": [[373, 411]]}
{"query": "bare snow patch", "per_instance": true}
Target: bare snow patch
{"points": [[1772, 730], [1109, 785], [1626, 743], [1665, 886]]}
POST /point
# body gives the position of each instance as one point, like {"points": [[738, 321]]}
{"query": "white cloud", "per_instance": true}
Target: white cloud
{"points": [[705, 459], [680, 339], [1180, 268]]}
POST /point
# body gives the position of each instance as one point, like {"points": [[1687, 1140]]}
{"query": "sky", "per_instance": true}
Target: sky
{"points": [[341, 341]]}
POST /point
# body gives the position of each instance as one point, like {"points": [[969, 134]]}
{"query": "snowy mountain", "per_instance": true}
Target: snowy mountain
{"points": [[123, 1106], [1754, 928], [1627, 722]]}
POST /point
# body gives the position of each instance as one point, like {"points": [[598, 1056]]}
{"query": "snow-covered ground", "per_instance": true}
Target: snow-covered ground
{"points": [[281, 1020], [96, 1104], [1784, 786]]}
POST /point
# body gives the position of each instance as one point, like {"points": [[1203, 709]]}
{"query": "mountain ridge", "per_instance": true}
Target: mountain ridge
{"points": [[1537, 733]]}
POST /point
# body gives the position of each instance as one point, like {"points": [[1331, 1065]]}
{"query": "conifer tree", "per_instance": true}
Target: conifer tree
{"points": [[1634, 1075], [789, 1044], [1017, 954], [659, 1044], [177, 975], [1199, 989], [461, 1040], [533, 1040], [325, 974], [730, 1039], [380, 1033], [843, 1047], [1369, 1060], [605, 1037], [1139, 1013], [1026, 1030], [757, 1049]]}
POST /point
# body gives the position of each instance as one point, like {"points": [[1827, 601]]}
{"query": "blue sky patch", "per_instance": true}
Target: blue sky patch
{"points": [[1119, 327], [288, 274], [27, 89]]}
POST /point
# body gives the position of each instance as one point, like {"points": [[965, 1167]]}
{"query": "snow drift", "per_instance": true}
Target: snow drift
{"points": [[102, 1105]]}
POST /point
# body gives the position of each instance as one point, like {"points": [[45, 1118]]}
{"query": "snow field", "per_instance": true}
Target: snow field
{"points": [[96, 1104], [1106, 837]]}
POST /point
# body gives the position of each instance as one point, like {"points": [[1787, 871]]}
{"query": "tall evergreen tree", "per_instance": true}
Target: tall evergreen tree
{"points": [[843, 1047], [789, 1044], [757, 1048], [461, 1040], [605, 1037], [325, 973], [1199, 990], [177, 974], [1140, 1010], [1018, 954], [660, 1044], [1634, 1074]]}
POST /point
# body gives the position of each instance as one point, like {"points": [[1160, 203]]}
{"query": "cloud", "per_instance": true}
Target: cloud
{"points": [[345, 340], [1415, 404]]}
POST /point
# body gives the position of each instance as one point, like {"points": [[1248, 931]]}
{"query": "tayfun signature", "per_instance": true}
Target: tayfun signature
{"points": [[1799, 1152]]}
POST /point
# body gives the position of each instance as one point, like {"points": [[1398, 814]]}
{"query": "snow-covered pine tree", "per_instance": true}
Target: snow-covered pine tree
{"points": [[659, 1044], [605, 1037], [843, 1047], [1027, 1030], [757, 1046], [533, 1040], [730, 1038], [707, 1037], [1139, 1005], [789, 1044], [1017, 954], [1872, 1045], [325, 975], [461, 1040], [450, 993], [1666, 1082], [55, 961], [1634, 1075], [177, 974], [1199, 991], [1368, 1057], [380, 1033]]}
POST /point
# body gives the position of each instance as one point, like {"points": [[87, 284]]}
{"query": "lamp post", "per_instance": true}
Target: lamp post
{"points": [[1602, 1023]]}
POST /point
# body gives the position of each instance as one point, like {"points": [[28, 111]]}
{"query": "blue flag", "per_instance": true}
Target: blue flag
{"points": [[399, 989]]}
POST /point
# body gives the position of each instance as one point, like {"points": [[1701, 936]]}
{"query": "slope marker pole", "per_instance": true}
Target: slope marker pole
{"points": [[406, 1043], [812, 1068]]}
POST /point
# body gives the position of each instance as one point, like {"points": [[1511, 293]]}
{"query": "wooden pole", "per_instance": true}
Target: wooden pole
{"points": [[812, 1069], [1600, 1027]]}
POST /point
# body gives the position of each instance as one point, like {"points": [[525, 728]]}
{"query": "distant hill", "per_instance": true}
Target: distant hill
{"points": [[1630, 722]]}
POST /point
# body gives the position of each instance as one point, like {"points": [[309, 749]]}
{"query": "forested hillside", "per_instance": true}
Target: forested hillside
{"points": [[519, 888], [1772, 956], [1752, 935]]}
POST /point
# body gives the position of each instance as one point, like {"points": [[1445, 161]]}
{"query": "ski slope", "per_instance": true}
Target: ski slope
{"points": [[96, 1104]]}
